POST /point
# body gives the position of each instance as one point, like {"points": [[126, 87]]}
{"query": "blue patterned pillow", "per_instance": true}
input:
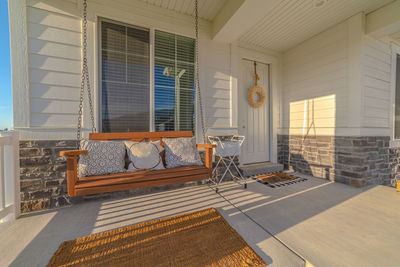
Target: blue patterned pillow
{"points": [[103, 157], [181, 152]]}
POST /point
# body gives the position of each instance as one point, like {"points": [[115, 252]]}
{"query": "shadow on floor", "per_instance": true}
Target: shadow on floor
{"points": [[96, 216], [275, 209]]}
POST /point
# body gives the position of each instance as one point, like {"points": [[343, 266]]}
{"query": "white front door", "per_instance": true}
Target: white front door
{"points": [[253, 122]]}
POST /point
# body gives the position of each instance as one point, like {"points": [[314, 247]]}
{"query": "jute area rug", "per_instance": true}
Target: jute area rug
{"points": [[201, 238]]}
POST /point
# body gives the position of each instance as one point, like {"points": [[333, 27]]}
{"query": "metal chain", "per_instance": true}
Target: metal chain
{"points": [[197, 84], [84, 78], [256, 77]]}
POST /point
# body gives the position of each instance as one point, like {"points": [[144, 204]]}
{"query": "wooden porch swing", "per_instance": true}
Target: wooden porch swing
{"points": [[129, 180]]}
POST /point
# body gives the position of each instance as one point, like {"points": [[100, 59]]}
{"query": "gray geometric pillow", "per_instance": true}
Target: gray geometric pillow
{"points": [[103, 157], [181, 152]]}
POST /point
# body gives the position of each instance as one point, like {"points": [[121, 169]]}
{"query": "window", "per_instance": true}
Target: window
{"points": [[126, 99], [125, 78], [173, 82], [397, 99]]}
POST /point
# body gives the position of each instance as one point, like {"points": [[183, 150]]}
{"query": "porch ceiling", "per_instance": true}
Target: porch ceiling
{"points": [[208, 9], [289, 22], [273, 24]]}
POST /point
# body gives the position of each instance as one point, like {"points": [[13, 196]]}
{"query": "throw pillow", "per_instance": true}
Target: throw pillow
{"points": [[144, 155], [103, 157], [181, 152]]}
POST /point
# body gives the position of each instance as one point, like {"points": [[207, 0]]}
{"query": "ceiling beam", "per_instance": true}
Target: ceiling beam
{"points": [[383, 21], [238, 16]]}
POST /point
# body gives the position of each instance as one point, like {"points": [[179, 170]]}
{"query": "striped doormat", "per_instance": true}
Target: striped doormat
{"points": [[277, 179]]}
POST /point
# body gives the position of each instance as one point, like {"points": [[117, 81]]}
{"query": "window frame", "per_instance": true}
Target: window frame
{"points": [[395, 52], [99, 58]]}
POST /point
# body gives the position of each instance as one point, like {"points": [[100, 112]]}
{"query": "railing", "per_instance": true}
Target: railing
{"points": [[9, 176]]}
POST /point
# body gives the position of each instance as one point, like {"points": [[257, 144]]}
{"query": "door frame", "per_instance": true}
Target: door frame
{"points": [[238, 52]]}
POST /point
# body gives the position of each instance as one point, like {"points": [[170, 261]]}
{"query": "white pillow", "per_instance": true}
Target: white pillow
{"points": [[103, 157], [181, 152], [144, 155]]}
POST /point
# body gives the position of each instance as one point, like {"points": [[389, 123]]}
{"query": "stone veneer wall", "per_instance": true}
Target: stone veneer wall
{"points": [[394, 162], [43, 177], [353, 160], [357, 161], [43, 174]]}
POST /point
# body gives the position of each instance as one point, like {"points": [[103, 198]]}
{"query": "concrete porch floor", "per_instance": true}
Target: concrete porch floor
{"points": [[329, 224]]}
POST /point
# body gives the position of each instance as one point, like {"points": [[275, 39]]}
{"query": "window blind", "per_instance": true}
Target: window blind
{"points": [[125, 66], [174, 94]]}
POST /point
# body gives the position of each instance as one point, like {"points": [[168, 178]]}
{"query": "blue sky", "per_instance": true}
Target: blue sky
{"points": [[5, 70]]}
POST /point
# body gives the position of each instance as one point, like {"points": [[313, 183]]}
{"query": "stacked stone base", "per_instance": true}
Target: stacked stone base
{"points": [[357, 161], [353, 160], [43, 174]]}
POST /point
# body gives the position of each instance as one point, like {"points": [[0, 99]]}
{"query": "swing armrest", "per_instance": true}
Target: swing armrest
{"points": [[73, 153], [206, 146], [209, 154], [72, 168]]}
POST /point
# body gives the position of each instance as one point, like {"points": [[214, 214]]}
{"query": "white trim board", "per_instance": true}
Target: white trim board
{"points": [[19, 63], [395, 51]]}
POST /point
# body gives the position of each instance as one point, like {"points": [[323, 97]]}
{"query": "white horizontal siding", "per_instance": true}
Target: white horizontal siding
{"points": [[51, 106], [53, 120], [54, 37], [57, 7], [53, 19], [56, 92], [54, 78], [315, 72], [52, 49], [216, 83], [54, 43], [49, 63], [376, 76]]}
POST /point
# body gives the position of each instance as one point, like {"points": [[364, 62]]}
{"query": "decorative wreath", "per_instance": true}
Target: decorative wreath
{"points": [[251, 96]]}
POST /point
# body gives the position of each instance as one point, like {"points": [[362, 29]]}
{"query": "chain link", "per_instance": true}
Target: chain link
{"points": [[197, 85], [84, 78]]}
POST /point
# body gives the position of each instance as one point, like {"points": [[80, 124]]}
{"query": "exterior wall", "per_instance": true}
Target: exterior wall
{"points": [[54, 63], [334, 108], [351, 68], [54, 67], [316, 71], [376, 85], [43, 174], [394, 162], [353, 160], [47, 119], [337, 107]]}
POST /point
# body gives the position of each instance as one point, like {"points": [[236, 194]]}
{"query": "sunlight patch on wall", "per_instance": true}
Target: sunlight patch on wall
{"points": [[313, 116]]}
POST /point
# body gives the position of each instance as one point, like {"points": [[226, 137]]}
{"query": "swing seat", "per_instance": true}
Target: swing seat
{"points": [[129, 180]]}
